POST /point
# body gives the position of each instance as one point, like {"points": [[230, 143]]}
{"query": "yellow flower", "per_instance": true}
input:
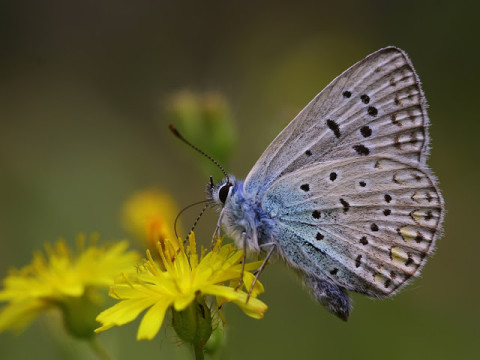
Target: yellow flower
{"points": [[149, 215], [186, 276], [59, 278]]}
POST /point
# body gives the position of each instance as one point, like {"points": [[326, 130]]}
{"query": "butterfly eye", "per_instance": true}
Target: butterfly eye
{"points": [[223, 192]]}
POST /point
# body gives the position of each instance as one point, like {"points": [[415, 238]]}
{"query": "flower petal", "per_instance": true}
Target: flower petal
{"points": [[17, 315], [253, 308], [182, 302], [152, 321], [123, 312], [183, 277], [248, 279]]}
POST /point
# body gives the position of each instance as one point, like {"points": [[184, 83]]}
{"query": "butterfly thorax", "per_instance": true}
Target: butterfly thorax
{"points": [[241, 217]]}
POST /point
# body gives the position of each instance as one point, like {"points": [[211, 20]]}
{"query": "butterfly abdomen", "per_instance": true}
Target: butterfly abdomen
{"points": [[330, 295]]}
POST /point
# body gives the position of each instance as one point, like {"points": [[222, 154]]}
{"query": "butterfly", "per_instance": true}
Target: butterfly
{"points": [[343, 194]]}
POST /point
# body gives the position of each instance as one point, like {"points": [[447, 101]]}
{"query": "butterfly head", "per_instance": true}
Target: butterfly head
{"points": [[218, 194]]}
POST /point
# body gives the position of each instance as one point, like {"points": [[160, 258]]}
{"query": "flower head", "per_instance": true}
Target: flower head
{"points": [[59, 278], [148, 215], [185, 276]]}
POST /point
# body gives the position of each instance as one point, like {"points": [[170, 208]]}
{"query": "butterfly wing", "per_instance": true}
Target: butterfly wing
{"points": [[376, 106], [347, 187], [367, 229]]}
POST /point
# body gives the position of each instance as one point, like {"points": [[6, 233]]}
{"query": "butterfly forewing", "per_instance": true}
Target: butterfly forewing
{"points": [[365, 223], [377, 106]]}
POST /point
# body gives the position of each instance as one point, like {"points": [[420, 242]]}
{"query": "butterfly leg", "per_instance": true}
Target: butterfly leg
{"points": [[260, 269], [330, 295], [240, 281]]}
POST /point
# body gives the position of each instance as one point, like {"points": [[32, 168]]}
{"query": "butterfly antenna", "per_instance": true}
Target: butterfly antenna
{"points": [[178, 135], [195, 223], [182, 211]]}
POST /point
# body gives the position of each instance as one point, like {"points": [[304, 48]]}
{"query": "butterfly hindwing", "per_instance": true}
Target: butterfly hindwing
{"points": [[367, 224], [377, 106]]}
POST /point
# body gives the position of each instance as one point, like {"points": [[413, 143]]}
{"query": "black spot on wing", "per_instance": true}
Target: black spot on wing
{"points": [[305, 187], [361, 150], [419, 237], [334, 127], [409, 260], [429, 215], [345, 204], [393, 117], [372, 111], [387, 283], [365, 98], [358, 261], [366, 131]]}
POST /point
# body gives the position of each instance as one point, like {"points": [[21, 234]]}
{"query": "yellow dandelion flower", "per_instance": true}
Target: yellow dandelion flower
{"points": [[60, 279], [186, 276], [148, 215]]}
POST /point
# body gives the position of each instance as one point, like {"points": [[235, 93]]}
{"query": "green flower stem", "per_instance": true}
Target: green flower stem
{"points": [[199, 352], [99, 349]]}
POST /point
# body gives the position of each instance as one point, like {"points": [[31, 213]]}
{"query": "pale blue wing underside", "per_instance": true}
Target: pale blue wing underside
{"points": [[365, 223]]}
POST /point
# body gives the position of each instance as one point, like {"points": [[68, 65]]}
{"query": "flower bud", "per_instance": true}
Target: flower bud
{"points": [[194, 324], [79, 314], [206, 121]]}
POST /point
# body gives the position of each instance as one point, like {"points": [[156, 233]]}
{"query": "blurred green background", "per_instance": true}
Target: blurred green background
{"points": [[83, 125]]}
